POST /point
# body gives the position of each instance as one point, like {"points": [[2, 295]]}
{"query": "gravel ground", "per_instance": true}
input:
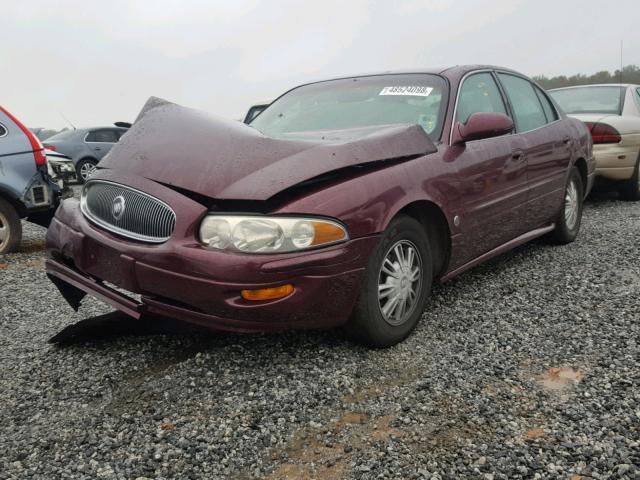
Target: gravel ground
{"points": [[526, 367]]}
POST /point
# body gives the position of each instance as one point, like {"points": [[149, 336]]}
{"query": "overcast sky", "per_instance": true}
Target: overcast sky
{"points": [[97, 62]]}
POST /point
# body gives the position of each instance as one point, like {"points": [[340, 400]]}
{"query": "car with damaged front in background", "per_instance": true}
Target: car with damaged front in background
{"points": [[27, 190], [339, 205]]}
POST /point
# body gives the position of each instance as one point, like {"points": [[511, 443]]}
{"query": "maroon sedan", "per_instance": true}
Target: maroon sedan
{"points": [[340, 204]]}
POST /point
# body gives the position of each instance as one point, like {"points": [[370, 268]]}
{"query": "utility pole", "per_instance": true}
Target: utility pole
{"points": [[620, 75]]}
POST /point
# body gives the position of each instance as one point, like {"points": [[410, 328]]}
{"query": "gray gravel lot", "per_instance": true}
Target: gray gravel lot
{"points": [[527, 367]]}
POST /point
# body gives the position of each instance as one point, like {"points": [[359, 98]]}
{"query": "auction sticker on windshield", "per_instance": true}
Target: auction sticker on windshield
{"points": [[415, 91]]}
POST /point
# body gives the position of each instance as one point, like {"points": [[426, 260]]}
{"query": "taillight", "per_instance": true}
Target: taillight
{"points": [[49, 147], [603, 133], [38, 149]]}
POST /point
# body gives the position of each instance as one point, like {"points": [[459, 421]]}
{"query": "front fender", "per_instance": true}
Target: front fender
{"points": [[367, 203]]}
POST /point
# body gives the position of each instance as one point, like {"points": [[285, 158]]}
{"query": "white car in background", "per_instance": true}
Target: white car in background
{"points": [[612, 113]]}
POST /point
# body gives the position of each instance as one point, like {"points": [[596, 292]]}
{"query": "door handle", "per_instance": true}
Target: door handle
{"points": [[517, 155], [566, 140], [97, 148]]}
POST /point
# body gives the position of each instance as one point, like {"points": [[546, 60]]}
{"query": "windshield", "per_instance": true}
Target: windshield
{"points": [[590, 99], [358, 102]]}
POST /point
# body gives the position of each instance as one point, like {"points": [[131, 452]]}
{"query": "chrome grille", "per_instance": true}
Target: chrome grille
{"points": [[127, 212]]}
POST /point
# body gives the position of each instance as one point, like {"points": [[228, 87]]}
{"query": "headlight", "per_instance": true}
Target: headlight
{"points": [[269, 234]]}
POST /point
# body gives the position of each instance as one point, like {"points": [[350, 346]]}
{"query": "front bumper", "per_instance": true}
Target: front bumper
{"points": [[182, 280]]}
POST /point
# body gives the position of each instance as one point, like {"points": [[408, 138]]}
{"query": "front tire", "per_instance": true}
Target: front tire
{"points": [[570, 216], [630, 189], [396, 285], [85, 168], [10, 228]]}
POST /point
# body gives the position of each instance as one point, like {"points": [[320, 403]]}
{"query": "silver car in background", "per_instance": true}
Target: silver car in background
{"points": [[85, 146], [612, 113]]}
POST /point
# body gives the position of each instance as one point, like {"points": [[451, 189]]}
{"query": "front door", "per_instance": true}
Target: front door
{"points": [[492, 172]]}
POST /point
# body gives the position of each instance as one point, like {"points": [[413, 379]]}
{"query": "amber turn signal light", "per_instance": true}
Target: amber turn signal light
{"points": [[326, 233], [268, 293]]}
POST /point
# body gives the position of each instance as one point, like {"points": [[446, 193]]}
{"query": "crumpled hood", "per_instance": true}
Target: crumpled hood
{"points": [[224, 159]]}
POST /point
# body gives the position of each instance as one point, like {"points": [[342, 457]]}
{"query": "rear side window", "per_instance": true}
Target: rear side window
{"points": [[549, 109], [103, 136], [3, 131], [592, 99], [525, 103], [479, 93]]}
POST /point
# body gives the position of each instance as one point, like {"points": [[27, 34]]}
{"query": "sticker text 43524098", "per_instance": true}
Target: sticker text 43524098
{"points": [[414, 91]]}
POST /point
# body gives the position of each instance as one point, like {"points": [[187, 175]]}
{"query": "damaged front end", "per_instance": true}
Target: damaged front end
{"points": [[139, 225]]}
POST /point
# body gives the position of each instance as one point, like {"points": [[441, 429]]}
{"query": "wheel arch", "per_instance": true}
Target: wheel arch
{"points": [[13, 201], [581, 165], [431, 216], [87, 157]]}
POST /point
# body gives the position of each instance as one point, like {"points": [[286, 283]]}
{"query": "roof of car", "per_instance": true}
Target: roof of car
{"points": [[437, 71], [456, 70]]}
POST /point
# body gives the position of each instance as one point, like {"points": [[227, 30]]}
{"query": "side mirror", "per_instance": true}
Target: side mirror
{"points": [[481, 125]]}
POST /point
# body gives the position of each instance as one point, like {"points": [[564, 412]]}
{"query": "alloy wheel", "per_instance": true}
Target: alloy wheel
{"points": [[86, 169], [571, 205], [399, 282], [4, 229]]}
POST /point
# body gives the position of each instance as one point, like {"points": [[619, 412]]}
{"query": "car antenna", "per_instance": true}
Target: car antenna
{"points": [[67, 120]]}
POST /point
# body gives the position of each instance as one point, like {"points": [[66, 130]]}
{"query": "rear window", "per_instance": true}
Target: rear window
{"points": [[3, 131], [601, 99], [358, 102], [103, 136]]}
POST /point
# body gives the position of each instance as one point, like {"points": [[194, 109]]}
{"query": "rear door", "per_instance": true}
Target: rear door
{"points": [[101, 140], [546, 143], [492, 173]]}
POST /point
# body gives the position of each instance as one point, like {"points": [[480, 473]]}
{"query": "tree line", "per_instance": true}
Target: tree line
{"points": [[629, 74]]}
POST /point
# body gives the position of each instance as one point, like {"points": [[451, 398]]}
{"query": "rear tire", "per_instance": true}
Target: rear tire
{"points": [[630, 189], [10, 228], [570, 215], [395, 288], [85, 168]]}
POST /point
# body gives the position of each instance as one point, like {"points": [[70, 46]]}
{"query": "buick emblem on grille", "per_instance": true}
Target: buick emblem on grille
{"points": [[117, 208]]}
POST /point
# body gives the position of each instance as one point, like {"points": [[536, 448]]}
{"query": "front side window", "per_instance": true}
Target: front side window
{"points": [[599, 99], [479, 93], [525, 104], [355, 103], [103, 136]]}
